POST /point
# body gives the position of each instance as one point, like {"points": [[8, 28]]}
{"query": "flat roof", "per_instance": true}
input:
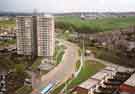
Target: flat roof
{"points": [[131, 81], [90, 83], [119, 68], [95, 79], [111, 68], [44, 16], [123, 69], [101, 74]]}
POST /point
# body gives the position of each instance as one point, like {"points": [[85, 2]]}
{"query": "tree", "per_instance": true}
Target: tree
{"points": [[20, 68]]}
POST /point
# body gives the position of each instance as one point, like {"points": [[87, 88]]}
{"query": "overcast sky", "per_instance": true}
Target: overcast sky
{"points": [[67, 5]]}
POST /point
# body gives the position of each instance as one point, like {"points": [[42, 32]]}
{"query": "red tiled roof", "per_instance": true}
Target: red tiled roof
{"points": [[127, 88]]}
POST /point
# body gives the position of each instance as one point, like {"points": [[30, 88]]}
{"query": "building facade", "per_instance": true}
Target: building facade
{"points": [[45, 35], [35, 35], [26, 31]]}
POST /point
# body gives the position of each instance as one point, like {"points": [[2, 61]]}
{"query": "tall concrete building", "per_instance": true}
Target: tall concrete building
{"points": [[26, 35], [35, 35], [45, 35]]}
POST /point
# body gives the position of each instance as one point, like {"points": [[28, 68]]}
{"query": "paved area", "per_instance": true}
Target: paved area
{"points": [[64, 70]]}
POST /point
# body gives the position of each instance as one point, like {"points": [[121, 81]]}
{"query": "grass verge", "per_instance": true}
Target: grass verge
{"points": [[24, 90], [89, 69]]}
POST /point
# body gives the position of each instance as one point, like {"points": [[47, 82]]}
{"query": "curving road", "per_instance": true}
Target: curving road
{"points": [[64, 70]]}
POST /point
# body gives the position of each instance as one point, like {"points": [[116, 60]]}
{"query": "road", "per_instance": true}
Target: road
{"points": [[75, 74], [64, 70]]}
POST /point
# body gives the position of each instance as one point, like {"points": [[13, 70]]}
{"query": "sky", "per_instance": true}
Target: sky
{"points": [[67, 5]]}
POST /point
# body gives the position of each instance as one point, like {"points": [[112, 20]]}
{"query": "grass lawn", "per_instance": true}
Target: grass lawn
{"points": [[98, 25], [58, 55], [24, 90], [89, 69], [58, 89], [8, 23]]}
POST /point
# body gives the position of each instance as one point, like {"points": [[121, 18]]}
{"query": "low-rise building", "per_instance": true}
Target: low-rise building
{"points": [[107, 80], [102, 74], [129, 86], [86, 86]]}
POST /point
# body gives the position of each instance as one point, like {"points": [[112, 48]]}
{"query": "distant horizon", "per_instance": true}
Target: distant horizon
{"points": [[71, 12]]}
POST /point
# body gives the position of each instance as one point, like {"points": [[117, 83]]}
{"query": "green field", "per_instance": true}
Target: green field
{"points": [[58, 55], [73, 23], [76, 24], [8, 23], [89, 68]]}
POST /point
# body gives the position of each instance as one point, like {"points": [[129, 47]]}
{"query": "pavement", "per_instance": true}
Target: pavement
{"points": [[64, 71]]}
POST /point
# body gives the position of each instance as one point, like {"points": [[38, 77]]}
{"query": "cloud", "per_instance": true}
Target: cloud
{"points": [[67, 5], [102, 2]]}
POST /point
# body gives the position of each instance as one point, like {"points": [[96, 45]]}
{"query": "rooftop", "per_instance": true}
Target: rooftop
{"points": [[90, 83], [101, 74], [111, 68], [131, 81], [44, 15], [115, 68], [124, 69], [95, 79]]}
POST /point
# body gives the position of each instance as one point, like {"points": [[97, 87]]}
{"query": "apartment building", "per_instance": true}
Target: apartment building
{"points": [[26, 35], [35, 35], [45, 35]]}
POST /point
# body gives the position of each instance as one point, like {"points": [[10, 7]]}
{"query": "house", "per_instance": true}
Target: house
{"points": [[86, 86], [107, 80], [129, 86]]}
